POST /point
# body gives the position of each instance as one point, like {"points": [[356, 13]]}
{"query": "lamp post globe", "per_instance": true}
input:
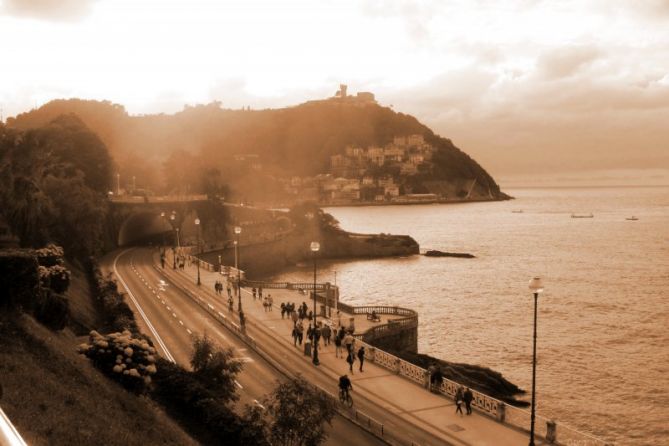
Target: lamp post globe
{"points": [[536, 286], [315, 247], [197, 226]]}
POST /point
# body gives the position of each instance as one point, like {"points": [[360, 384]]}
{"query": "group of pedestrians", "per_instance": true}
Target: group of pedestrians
{"points": [[256, 293], [268, 302], [218, 287], [465, 396]]}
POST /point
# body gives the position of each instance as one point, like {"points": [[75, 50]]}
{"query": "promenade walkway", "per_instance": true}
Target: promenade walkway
{"points": [[403, 397]]}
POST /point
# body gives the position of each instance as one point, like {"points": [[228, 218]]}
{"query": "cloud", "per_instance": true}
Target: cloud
{"points": [[51, 10], [566, 61]]}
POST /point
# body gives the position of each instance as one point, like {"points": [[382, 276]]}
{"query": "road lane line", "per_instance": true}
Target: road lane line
{"points": [[158, 339], [189, 332]]}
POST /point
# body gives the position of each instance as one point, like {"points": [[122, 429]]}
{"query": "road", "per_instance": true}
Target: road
{"points": [[171, 318]]}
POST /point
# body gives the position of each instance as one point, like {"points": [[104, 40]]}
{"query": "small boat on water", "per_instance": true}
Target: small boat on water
{"points": [[582, 216], [633, 218]]}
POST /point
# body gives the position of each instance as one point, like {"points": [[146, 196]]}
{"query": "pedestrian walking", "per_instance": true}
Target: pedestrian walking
{"points": [[350, 358], [300, 332], [260, 292], [253, 291], [283, 309], [361, 356], [338, 350], [436, 378], [270, 301], [327, 333], [458, 401], [293, 316], [294, 333], [468, 397], [230, 303], [348, 342]]}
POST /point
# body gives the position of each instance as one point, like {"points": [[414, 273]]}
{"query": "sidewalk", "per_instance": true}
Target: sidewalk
{"points": [[398, 395]]}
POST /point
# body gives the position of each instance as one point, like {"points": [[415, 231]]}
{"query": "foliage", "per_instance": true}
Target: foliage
{"points": [[298, 413], [291, 141], [118, 315], [53, 184], [127, 359], [215, 367], [56, 278], [51, 309], [19, 281]]}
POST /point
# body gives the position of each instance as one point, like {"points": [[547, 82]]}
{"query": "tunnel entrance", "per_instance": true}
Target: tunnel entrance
{"points": [[145, 228]]}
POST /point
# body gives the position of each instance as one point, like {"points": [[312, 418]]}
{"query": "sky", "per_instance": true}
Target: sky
{"points": [[531, 89]]}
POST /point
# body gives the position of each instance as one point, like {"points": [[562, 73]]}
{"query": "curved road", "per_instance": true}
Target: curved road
{"points": [[171, 318]]}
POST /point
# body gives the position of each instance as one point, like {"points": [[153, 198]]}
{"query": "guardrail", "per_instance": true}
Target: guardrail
{"points": [[9, 436]]}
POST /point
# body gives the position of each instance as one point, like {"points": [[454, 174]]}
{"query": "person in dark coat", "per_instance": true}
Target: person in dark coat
{"points": [[361, 356], [350, 358], [467, 397]]}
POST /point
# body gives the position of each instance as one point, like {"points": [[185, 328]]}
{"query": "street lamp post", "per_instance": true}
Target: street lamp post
{"points": [[536, 287], [174, 248], [197, 227], [238, 230], [219, 264], [315, 247]]}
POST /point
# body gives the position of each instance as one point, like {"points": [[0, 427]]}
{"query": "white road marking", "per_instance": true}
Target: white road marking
{"points": [[181, 322], [258, 404], [238, 385], [189, 332], [157, 337], [174, 315]]}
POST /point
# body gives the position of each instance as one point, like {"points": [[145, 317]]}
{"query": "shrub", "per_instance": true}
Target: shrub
{"points": [[52, 310], [19, 281], [56, 278], [118, 315], [128, 359], [50, 255]]}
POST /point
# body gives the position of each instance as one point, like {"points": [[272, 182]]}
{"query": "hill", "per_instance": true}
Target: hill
{"points": [[253, 151], [55, 396]]}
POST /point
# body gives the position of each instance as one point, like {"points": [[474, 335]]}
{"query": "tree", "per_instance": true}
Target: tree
{"points": [[298, 413], [215, 367]]}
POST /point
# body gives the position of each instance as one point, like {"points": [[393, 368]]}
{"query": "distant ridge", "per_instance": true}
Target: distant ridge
{"points": [[293, 141]]}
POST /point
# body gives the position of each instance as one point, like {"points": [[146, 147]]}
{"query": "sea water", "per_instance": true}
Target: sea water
{"points": [[603, 319]]}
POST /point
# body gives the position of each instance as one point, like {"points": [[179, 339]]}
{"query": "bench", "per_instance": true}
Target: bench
{"points": [[373, 318]]}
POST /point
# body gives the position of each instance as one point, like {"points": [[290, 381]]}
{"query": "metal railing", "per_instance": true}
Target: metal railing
{"points": [[9, 436]]}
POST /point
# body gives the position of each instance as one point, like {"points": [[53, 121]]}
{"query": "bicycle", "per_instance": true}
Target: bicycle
{"points": [[345, 398]]}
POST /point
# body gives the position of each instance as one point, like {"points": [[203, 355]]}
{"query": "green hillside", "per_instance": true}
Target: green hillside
{"points": [[177, 152]]}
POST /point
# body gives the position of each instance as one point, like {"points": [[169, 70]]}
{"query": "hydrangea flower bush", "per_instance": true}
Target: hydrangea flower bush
{"points": [[128, 359]]}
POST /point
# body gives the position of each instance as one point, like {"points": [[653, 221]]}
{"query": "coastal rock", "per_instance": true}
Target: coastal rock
{"points": [[435, 253]]}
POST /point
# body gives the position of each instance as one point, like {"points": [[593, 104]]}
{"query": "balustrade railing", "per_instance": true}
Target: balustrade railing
{"points": [[552, 432]]}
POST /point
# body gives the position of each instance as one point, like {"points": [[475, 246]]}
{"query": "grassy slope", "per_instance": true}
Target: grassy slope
{"points": [[55, 396]]}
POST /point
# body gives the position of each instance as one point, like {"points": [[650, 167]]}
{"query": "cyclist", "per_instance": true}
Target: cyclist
{"points": [[345, 385]]}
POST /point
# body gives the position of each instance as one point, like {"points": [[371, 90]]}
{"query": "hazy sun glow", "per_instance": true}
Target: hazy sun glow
{"points": [[482, 72]]}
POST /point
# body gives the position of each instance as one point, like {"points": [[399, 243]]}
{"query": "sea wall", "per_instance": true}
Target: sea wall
{"points": [[261, 259]]}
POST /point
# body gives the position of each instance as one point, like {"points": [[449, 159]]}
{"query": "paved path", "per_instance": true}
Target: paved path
{"points": [[392, 393]]}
